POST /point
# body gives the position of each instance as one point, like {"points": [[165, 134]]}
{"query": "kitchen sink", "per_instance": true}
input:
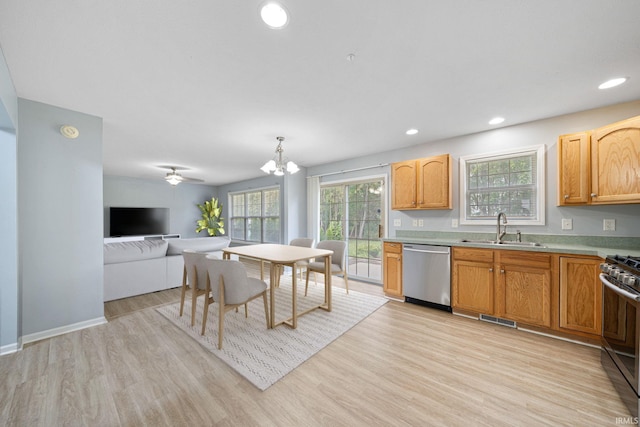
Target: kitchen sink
{"points": [[503, 243]]}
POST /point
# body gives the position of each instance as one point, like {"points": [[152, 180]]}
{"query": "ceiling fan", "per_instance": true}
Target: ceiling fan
{"points": [[174, 178]]}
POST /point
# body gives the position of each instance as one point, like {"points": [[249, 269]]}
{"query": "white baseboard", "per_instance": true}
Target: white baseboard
{"points": [[63, 330], [10, 348]]}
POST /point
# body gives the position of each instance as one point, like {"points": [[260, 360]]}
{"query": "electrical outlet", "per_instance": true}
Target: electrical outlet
{"points": [[414, 222], [609, 225], [421, 223], [397, 222], [567, 224], [454, 223]]}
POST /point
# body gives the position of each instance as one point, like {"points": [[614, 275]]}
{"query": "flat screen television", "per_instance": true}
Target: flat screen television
{"points": [[138, 221]]}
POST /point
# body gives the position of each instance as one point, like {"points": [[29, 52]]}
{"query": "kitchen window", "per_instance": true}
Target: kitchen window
{"points": [[510, 181], [255, 215]]}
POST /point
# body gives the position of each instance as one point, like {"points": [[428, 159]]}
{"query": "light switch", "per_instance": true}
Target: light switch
{"points": [[567, 224], [397, 222], [414, 222], [421, 223]]}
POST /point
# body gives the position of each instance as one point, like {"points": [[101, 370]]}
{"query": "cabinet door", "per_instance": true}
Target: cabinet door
{"points": [[403, 185], [525, 295], [392, 281], [580, 295], [434, 182], [615, 163], [472, 286], [574, 169]]}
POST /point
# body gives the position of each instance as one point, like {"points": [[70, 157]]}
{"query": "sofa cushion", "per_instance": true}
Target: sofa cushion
{"points": [[134, 251], [199, 244]]}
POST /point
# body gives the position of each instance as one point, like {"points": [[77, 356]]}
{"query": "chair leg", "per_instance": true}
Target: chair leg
{"points": [[346, 282], [220, 325], [194, 301], [204, 314], [306, 284], [266, 309], [246, 312], [182, 295]]}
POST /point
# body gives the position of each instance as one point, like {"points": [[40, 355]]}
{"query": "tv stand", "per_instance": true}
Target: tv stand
{"points": [[115, 239]]}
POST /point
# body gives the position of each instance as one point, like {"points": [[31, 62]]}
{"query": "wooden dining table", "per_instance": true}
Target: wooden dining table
{"points": [[285, 255]]}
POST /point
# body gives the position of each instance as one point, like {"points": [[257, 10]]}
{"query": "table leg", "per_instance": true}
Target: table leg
{"points": [[294, 299], [327, 281], [272, 296]]}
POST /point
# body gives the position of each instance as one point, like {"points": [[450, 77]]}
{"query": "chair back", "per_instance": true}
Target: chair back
{"points": [[338, 247], [304, 242], [234, 276], [195, 263]]}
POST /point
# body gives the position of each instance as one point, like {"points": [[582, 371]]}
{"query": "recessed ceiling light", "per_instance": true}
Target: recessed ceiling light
{"points": [[411, 131], [612, 83], [274, 15], [496, 120]]}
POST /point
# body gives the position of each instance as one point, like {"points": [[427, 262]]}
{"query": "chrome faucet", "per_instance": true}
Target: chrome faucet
{"points": [[500, 233]]}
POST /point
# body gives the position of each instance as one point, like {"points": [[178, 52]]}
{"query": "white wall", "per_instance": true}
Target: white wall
{"points": [[587, 220], [182, 200], [10, 326], [60, 220]]}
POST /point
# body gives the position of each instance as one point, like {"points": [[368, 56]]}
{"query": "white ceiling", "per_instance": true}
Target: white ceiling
{"points": [[204, 84]]}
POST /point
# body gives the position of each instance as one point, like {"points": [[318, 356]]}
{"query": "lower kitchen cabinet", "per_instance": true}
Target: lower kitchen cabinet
{"points": [[580, 294], [392, 268], [472, 286], [514, 285], [523, 287]]}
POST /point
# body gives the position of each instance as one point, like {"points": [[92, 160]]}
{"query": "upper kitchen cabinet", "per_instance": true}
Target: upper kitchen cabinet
{"points": [[422, 183], [601, 166], [574, 168], [615, 163]]}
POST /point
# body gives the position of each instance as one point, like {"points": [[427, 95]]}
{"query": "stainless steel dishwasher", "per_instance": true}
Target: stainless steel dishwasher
{"points": [[426, 275]]}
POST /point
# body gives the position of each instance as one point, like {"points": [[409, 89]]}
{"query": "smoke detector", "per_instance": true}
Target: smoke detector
{"points": [[69, 131]]}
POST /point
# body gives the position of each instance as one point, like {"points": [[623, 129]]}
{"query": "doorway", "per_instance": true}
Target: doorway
{"points": [[354, 211]]}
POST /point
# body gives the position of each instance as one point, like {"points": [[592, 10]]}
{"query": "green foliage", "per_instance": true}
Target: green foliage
{"points": [[212, 220]]}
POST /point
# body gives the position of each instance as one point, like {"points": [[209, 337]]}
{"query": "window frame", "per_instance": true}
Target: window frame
{"points": [[262, 217], [539, 152]]}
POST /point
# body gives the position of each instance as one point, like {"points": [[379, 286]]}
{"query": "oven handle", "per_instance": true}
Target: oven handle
{"points": [[617, 289]]}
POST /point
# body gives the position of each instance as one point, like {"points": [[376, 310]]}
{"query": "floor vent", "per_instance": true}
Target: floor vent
{"points": [[498, 321]]}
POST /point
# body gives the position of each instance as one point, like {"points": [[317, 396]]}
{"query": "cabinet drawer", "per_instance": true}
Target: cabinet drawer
{"points": [[473, 254], [525, 259], [393, 247]]}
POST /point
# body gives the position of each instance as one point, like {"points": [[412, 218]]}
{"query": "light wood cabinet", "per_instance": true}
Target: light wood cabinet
{"points": [[580, 295], [574, 169], [392, 267], [472, 285], [514, 285], [615, 163], [601, 166], [523, 287], [422, 183]]}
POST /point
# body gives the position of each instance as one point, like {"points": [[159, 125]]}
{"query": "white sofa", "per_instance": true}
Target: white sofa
{"points": [[143, 266]]}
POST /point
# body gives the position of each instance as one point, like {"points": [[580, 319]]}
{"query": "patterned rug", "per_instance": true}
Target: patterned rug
{"points": [[263, 356]]}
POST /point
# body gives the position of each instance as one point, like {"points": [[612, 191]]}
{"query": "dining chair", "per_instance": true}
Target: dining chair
{"points": [[229, 285], [338, 261], [304, 242], [194, 277]]}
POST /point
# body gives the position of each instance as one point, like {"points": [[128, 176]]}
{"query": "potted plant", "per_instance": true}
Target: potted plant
{"points": [[212, 220]]}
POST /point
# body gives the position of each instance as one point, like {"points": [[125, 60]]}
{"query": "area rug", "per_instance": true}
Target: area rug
{"points": [[263, 356]]}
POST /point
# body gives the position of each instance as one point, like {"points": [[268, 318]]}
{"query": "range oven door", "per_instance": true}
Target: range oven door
{"points": [[620, 337]]}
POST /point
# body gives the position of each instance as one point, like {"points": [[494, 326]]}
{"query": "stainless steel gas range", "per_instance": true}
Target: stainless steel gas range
{"points": [[621, 326]]}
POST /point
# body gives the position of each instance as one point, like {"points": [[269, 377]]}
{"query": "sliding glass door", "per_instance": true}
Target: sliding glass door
{"points": [[354, 211]]}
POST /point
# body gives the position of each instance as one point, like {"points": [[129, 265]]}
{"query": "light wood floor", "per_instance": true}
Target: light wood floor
{"points": [[404, 365]]}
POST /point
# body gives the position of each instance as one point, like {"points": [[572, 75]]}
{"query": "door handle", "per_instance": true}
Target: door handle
{"points": [[380, 231]]}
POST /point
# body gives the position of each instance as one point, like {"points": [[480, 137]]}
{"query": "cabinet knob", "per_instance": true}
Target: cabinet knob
{"points": [[491, 270], [594, 195], [501, 271], [566, 196]]}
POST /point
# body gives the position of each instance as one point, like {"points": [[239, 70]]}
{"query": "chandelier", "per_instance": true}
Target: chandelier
{"points": [[279, 164]]}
